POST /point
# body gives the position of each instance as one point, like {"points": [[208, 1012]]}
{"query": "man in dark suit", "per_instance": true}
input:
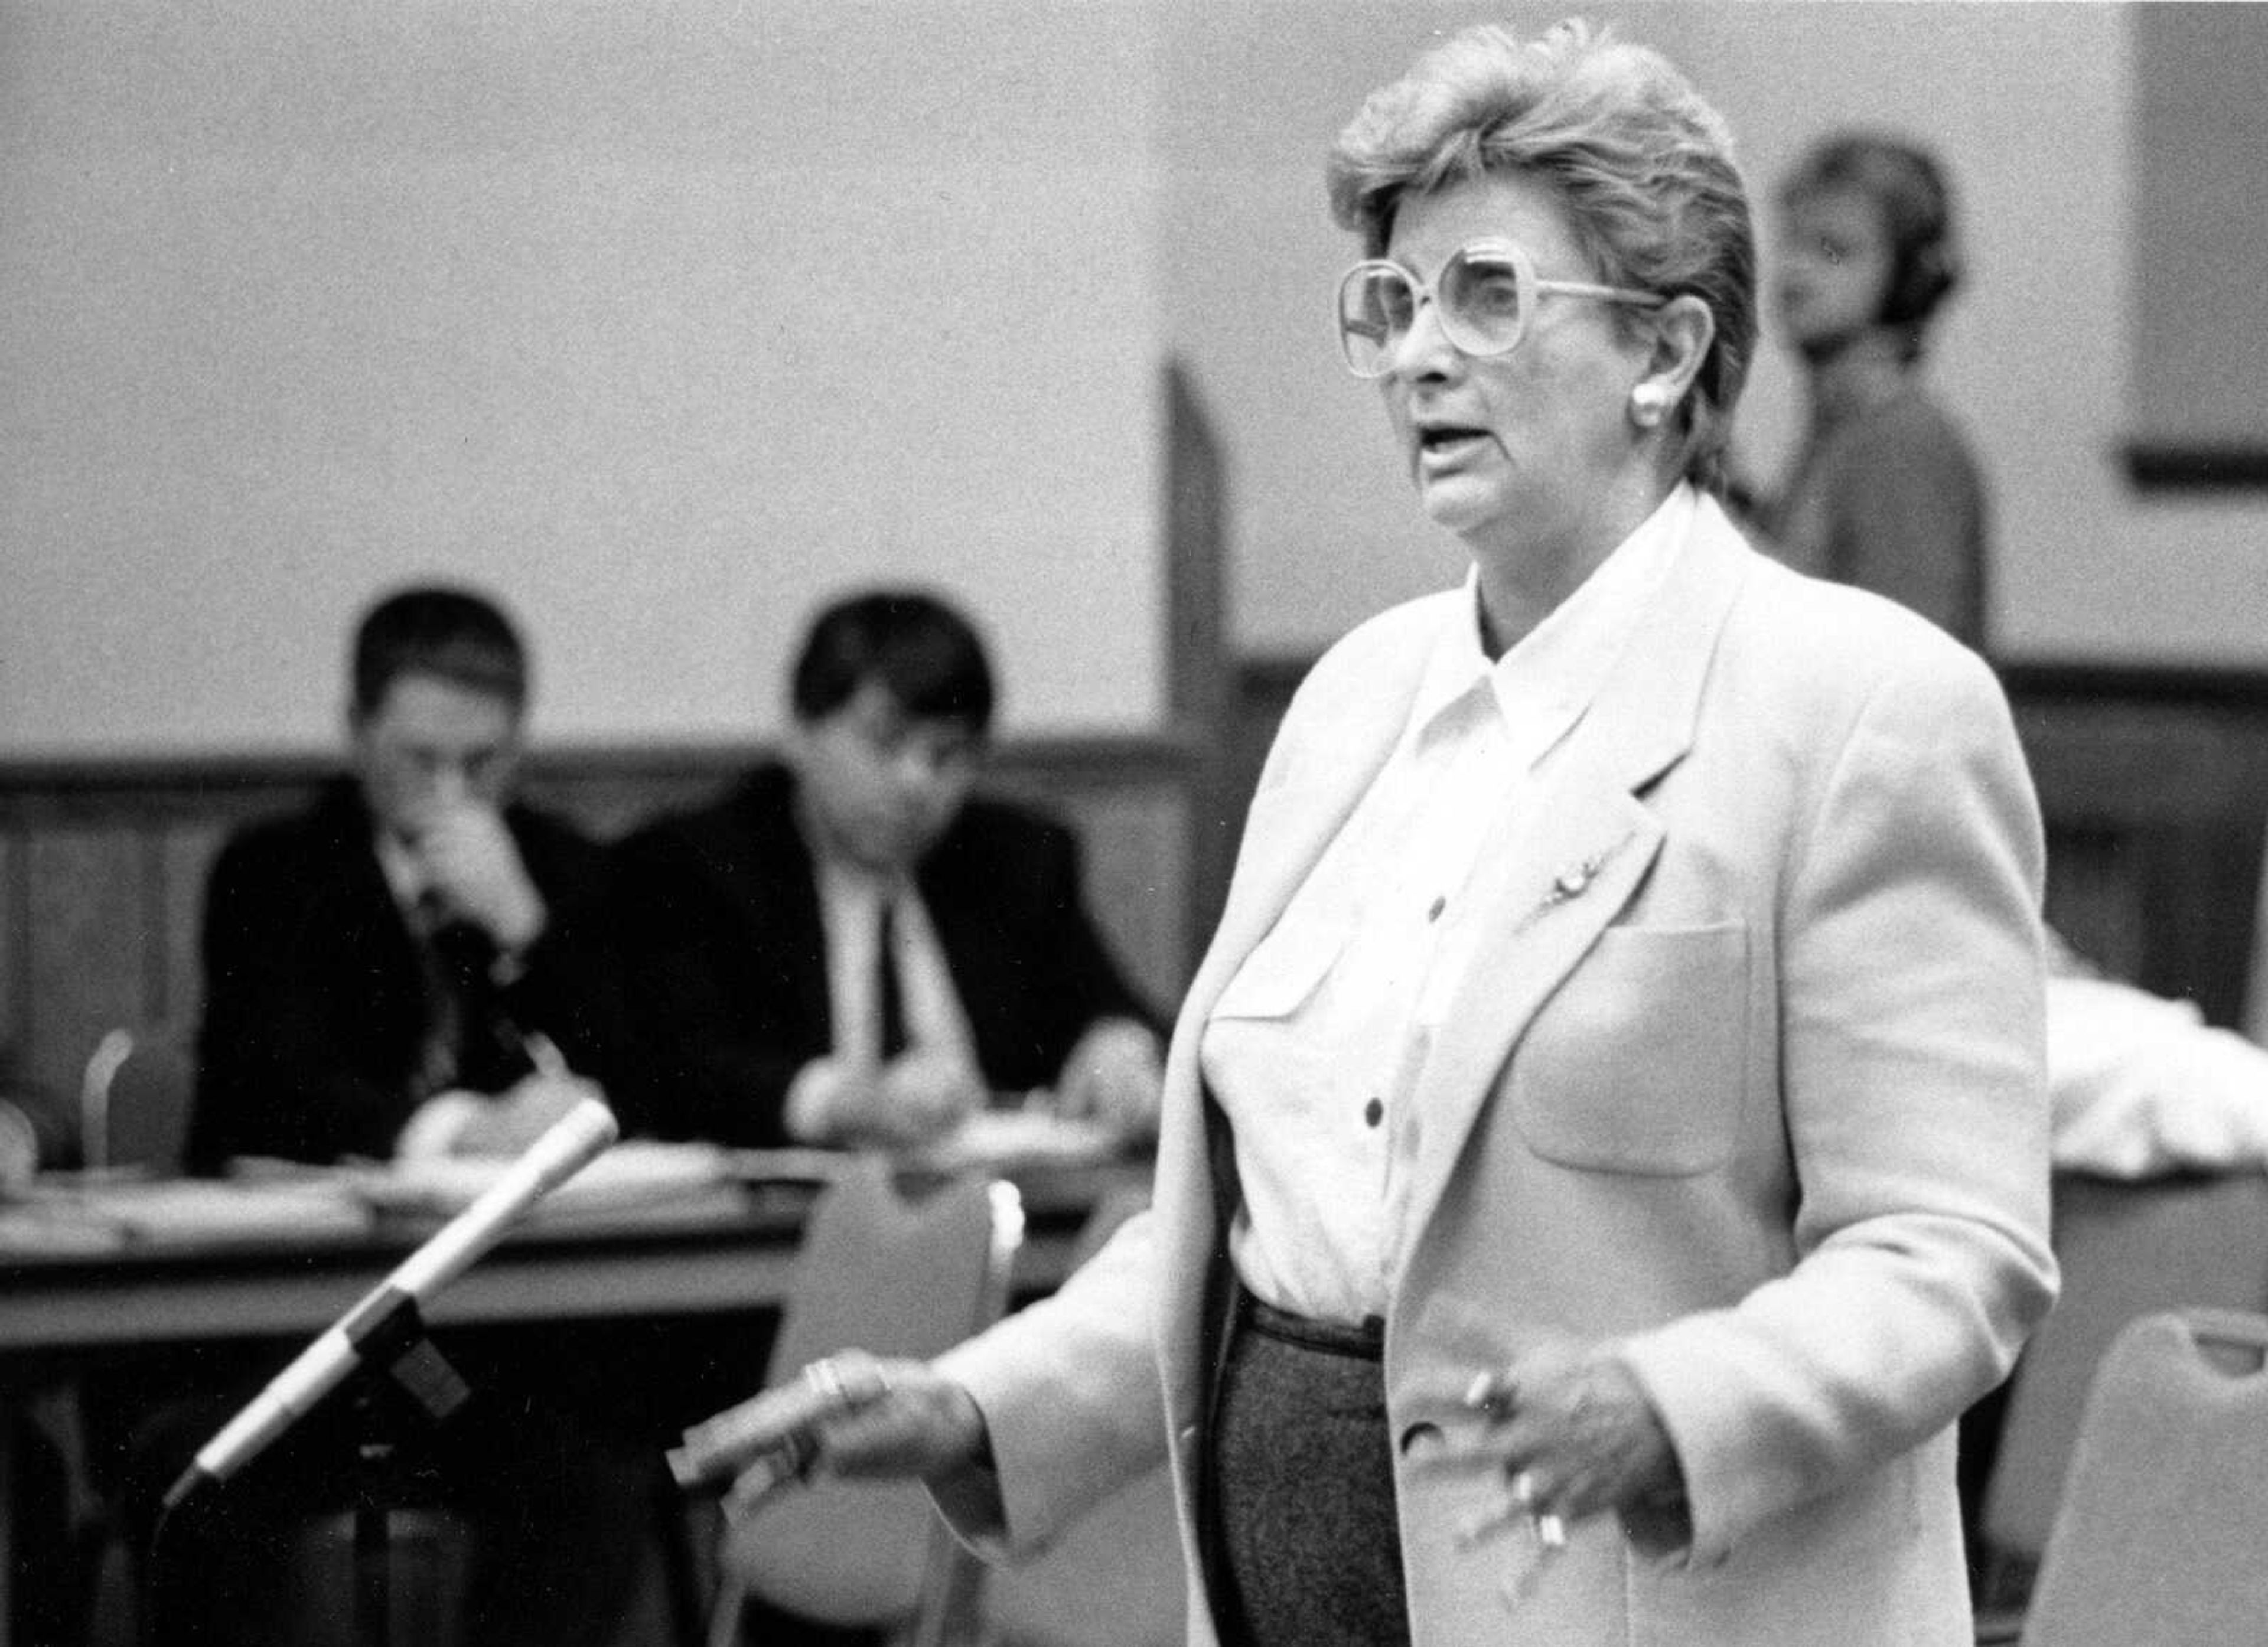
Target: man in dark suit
{"points": [[394, 972], [386, 971], [848, 948]]}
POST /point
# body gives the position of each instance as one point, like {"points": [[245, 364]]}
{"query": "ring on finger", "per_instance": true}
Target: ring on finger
{"points": [[1490, 1394], [1550, 1526], [827, 1379]]}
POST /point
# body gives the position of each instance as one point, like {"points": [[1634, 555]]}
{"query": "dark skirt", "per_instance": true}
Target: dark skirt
{"points": [[1303, 1487]]}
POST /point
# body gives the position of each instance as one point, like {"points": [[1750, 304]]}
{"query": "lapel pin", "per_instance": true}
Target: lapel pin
{"points": [[1572, 879]]}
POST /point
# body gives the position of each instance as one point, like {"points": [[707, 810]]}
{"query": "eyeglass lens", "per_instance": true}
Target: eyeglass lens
{"points": [[1482, 301]]}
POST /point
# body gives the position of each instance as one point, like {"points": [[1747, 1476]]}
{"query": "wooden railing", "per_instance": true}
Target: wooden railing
{"points": [[103, 864], [2154, 784]]}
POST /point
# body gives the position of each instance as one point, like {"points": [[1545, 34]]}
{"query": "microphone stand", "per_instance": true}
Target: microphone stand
{"points": [[396, 1362], [389, 1334]]}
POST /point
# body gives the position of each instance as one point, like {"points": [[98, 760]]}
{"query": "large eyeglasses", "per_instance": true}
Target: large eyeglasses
{"points": [[1486, 294]]}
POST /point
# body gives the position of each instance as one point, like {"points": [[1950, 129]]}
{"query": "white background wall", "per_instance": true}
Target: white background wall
{"points": [[669, 317], [665, 319]]}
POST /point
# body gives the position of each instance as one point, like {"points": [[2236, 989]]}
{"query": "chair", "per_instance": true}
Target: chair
{"points": [[1115, 1579], [899, 1277], [2127, 1250], [133, 1113], [135, 1098], [2165, 1515]]}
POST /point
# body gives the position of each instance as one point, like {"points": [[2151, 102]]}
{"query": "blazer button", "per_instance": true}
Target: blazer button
{"points": [[1420, 1432]]}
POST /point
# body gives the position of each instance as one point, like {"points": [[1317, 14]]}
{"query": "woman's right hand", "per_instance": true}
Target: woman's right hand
{"points": [[850, 1414]]}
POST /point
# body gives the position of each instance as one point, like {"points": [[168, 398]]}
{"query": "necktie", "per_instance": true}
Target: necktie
{"points": [[468, 1042], [889, 1003], [440, 974]]}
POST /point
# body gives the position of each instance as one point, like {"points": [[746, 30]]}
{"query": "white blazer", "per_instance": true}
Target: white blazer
{"points": [[1747, 1079]]}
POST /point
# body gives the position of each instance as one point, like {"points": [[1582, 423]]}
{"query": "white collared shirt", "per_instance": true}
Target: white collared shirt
{"points": [[1314, 1046], [405, 875], [851, 902]]}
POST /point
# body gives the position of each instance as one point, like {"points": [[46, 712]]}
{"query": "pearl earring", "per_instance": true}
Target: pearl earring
{"points": [[1649, 403]]}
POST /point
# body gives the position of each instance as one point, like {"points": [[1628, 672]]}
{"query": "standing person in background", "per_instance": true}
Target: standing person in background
{"points": [[851, 948], [1605, 1147], [1887, 493]]}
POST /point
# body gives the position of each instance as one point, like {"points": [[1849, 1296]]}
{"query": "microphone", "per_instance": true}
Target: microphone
{"points": [[564, 1149]]}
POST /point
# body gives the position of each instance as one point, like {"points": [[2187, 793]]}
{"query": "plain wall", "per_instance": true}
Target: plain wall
{"points": [[664, 319]]}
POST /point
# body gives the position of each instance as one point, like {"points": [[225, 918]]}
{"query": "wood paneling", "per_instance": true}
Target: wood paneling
{"points": [[91, 928], [103, 865], [13, 926], [2154, 784], [186, 854]]}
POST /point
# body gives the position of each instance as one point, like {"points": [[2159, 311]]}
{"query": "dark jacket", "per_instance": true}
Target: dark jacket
{"points": [[315, 1005], [727, 956]]}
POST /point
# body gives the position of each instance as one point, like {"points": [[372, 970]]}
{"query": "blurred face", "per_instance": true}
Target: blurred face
{"points": [[1524, 455], [878, 786], [1835, 263], [431, 744]]}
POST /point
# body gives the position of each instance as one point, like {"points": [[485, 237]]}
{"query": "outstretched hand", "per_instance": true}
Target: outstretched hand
{"points": [[851, 1415]]}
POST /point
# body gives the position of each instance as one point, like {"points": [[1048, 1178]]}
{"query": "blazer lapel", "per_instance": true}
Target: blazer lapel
{"points": [[1341, 743], [1551, 876]]}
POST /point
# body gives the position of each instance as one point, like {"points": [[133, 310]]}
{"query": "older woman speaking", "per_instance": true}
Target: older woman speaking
{"points": [[1605, 1146]]}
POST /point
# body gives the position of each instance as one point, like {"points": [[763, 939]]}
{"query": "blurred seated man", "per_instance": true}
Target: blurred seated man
{"points": [[849, 948], [388, 972], [393, 972]]}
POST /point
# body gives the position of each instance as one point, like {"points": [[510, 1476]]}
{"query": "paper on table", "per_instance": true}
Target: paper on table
{"points": [[187, 1211], [1003, 1138], [639, 1173]]}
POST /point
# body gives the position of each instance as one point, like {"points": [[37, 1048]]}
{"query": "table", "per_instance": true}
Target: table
{"points": [[708, 1255]]}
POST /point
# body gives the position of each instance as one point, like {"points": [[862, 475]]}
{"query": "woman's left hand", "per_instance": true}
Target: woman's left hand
{"points": [[1573, 1435]]}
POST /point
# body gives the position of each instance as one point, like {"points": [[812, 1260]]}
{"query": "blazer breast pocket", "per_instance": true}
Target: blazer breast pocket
{"points": [[1638, 1061], [1277, 978]]}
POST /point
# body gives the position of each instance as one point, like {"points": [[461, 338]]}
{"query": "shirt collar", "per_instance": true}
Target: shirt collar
{"points": [[405, 875], [848, 884], [1564, 659]]}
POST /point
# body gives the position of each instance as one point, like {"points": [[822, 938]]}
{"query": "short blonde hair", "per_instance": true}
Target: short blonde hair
{"points": [[1643, 164]]}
